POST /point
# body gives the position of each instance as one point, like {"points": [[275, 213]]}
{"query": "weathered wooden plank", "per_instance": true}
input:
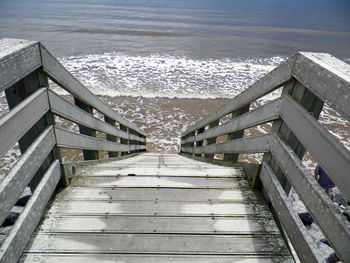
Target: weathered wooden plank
{"points": [[327, 77], [261, 115], [315, 199], [257, 144], [8, 46], [18, 58], [13, 185], [163, 225], [157, 244], [147, 208], [21, 118], [63, 78], [296, 231], [137, 165], [161, 194], [25, 225], [332, 156], [112, 258], [68, 139], [173, 171], [263, 86], [154, 181], [69, 111], [250, 170]]}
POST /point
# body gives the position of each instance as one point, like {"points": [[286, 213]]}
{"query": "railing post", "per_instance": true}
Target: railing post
{"points": [[124, 141], [88, 154], [313, 105], [191, 144], [138, 142], [144, 143], [132, 142], [111, 138], [183, 145], [15, 95], [199, 143], [211, 140], [233, 157]]}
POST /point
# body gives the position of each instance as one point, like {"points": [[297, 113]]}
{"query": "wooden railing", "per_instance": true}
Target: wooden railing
{"points": [[25, 67], [308, 80]]}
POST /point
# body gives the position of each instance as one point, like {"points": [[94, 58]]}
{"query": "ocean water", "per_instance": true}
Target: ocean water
{"points": [[204, 29]]}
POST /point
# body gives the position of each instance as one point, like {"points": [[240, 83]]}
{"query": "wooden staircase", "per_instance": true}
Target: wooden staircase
{"points": [[157, 208]]}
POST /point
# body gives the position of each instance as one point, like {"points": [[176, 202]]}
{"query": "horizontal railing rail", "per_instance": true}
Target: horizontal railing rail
{"points": [[69, 111], [67, 139], [261, 115], [28, 112], [256, 144], [308, 80], [25, 68]]}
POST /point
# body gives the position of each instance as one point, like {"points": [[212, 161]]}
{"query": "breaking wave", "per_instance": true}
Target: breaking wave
{"points": [[117, 74]]}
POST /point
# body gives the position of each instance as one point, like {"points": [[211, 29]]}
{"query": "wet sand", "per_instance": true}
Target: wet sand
{"points": [[163, 119]]}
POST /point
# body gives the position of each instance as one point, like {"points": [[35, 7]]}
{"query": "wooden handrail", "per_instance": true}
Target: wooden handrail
{"points": [[69, 111], [261, 115], [308, 80], [25, 67]]}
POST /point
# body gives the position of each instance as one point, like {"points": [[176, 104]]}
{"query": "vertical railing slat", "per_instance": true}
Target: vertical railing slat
{"points": [[199, 143], [313, 105], [88, 154], [111, 138], [213, 139], [233, 157], [122, 140]]}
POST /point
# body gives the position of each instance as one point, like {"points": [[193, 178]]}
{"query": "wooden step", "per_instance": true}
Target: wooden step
{"points": [[127, 258], [160, 194], [163, 225], [159, 208], [156, 244], [159, 181]]}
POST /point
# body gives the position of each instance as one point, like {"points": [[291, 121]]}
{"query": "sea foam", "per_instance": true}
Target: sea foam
{"points": [[117, 74]]}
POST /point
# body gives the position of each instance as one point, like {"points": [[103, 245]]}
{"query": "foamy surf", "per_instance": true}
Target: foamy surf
{"points": [[117, 74]]}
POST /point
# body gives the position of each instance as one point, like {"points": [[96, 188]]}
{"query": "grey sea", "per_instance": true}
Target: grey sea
{"points": [[203, 29], [164, 64]]}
